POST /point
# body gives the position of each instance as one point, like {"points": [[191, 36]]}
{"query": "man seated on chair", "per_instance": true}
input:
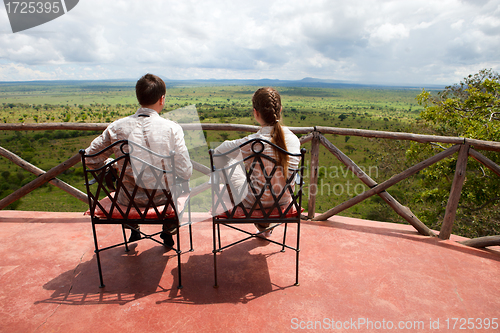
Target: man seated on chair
{"points": [[147, 128]]}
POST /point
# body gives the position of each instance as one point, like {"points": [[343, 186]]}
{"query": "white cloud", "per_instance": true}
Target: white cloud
{"points": [[382, 41], [388, 32], [457, 25], [7, 72], [489, 25]]}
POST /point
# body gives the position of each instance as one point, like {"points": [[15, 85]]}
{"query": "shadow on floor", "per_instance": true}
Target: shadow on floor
{"points": [[128, 276], [243, 276]]}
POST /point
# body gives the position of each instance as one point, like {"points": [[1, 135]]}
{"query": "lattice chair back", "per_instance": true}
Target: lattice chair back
{"points": [[145, 198], [252, 187], [268, 192], [136, 186]]}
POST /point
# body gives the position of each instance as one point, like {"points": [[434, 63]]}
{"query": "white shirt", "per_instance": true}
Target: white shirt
{"points": [[148, 129], [278, 182]]}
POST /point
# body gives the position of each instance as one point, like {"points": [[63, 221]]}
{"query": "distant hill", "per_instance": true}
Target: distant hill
{"points": [[305, 82]]}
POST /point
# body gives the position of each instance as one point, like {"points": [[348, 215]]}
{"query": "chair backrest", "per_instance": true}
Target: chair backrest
{"points": [[140, 188], [267, 185]]}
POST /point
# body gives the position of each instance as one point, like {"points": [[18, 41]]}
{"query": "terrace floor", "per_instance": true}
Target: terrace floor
{"points": [[355, 275]]}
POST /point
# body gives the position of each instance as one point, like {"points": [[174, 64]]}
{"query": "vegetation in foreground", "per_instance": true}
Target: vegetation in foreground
{"points": [[470, 109]]}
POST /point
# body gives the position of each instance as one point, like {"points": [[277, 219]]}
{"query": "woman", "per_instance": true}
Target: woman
{"points": [[267, 111]]}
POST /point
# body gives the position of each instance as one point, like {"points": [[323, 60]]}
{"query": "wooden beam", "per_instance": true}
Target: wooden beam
{"points": [[221, 127], [54, 126], [201, 168], [198, 189], [102, 126], [485, 145], [482, 242], [313, 180], [401, 210], [390, 135], [455, 192], [301, 130], [388, 183], [38, 172], [52, 173], [306, 138], [484, 160]]}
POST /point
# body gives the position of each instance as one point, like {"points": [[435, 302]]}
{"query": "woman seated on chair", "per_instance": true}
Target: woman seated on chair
{"points": [[267, 110]]}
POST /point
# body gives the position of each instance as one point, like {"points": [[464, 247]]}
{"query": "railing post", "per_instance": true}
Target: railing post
{"points": [[313, 180], [455, 192]]}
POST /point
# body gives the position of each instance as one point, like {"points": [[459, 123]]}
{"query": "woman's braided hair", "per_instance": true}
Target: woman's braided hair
{"points": [[267, 102]]}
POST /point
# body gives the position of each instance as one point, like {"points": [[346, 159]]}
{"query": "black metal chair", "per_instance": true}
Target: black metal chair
{"points": [[228, 208], [106, 184]]}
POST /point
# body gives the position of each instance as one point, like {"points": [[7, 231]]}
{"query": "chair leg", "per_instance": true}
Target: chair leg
{"points": [[297, 268], [125, 239], [284, 238], [190, 228], [218, 235], [98, 258], [179, 259], [297, 251], [215, 252], [190, 238]]}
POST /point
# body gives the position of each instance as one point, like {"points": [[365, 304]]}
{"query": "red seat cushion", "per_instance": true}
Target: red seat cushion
{"points": [[134, 214], [258, 214]]}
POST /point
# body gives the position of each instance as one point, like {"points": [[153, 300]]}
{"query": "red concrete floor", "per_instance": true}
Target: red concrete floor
{"points": [[355, 275]]}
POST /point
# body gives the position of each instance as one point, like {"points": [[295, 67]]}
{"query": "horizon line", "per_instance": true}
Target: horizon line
{"points": [[309, 82]]}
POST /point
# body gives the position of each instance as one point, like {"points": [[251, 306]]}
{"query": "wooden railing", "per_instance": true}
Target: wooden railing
{"points": [[465, 148]]}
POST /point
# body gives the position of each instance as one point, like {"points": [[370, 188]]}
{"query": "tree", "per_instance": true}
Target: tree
{"points": [[350, 148], [5, 175], [224, 136], [469, 109]]}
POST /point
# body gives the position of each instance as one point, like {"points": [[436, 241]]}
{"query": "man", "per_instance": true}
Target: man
{"points": [[148, 129]]}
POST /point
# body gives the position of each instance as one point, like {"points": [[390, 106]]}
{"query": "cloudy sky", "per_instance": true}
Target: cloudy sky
{"points": [[364, 41]]}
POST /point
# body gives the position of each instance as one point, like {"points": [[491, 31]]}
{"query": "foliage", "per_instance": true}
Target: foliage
{"points": [[469, 109]]}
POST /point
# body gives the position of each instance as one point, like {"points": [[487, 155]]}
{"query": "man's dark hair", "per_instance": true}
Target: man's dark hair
{"points": [[149, 89]]}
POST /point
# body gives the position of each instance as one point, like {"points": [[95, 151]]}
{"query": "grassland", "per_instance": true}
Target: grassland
{"points": [[366, 108]]}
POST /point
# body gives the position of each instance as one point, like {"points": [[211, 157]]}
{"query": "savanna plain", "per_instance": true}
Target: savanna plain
{"points": [[361, 107]]}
